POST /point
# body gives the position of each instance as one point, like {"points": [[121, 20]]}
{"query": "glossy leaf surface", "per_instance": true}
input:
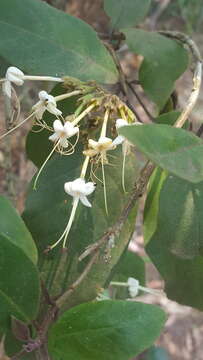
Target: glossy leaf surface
{"points": [[176, 150], [105, 330], [126, 13], [157, 73], [45, 41]]}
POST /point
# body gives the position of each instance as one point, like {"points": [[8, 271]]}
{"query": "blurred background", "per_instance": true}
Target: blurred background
{"points": [[182, 338]]}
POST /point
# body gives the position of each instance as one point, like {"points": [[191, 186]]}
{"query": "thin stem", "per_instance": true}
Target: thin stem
{"points": [[83, 114], [84, 167], [43, 165], [42, 78], [67, 95], [70, 221], [117, 283], [123, 166], [104, 125], [104, 183], [193, 97], [196, 77], [63, 298], [140, 101]]}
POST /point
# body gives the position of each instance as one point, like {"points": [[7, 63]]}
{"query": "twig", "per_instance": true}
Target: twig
{"points": [[197, 77], [63, 298], [200, 131], [119, 68], [140, 101], [123, 82]]}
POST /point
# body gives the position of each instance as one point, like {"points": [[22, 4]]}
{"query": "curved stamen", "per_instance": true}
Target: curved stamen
{"points": [[43, 165]]}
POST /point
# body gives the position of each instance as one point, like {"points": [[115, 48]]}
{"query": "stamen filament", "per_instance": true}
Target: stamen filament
{"points": [[67, 95], [17, 126], [43, 165], [83, 114]]}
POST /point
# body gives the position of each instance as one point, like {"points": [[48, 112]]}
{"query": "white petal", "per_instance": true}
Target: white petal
{"points": [[6, 88], [103, 140], [85, 201], [120, 123], [58, 126], [118, 140], [53, 109], [54, 137], [133, 286], [68, 188], [64, 142], [70, 129], [93, 144], [39, 108], [43, 95], [15, 75], [89, 188]]}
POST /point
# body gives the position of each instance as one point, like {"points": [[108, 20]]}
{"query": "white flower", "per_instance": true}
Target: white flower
{"points": [[133, 286], [15, 75], [63, 132], [46, 102], [99, 147], [120, 139], [80, 190]]}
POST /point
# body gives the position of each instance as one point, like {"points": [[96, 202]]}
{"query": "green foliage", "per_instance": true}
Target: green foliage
{"points": [[176, 246], [151, 208], [105, 330], [126, 13], [43, 40], [176, 150], [157, 74], [130, 265], [19, 284], [49, 208], [12, 226]]}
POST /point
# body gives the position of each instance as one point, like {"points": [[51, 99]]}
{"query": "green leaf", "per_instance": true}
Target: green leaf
{"points": [[126, 13], [176, 150], [130, 265], [40, 140], [12, 226], [105, 330], [40, 39], [164, 61], [19, 284], [48, 210], [151, 209], [168, 118], [176, 246], [157, 353]]}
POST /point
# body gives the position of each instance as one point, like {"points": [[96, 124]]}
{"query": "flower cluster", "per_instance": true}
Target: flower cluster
{"points": [[63, 129]]}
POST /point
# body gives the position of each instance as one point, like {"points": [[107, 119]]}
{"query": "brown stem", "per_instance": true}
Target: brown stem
{"points": [[140, 101]]}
